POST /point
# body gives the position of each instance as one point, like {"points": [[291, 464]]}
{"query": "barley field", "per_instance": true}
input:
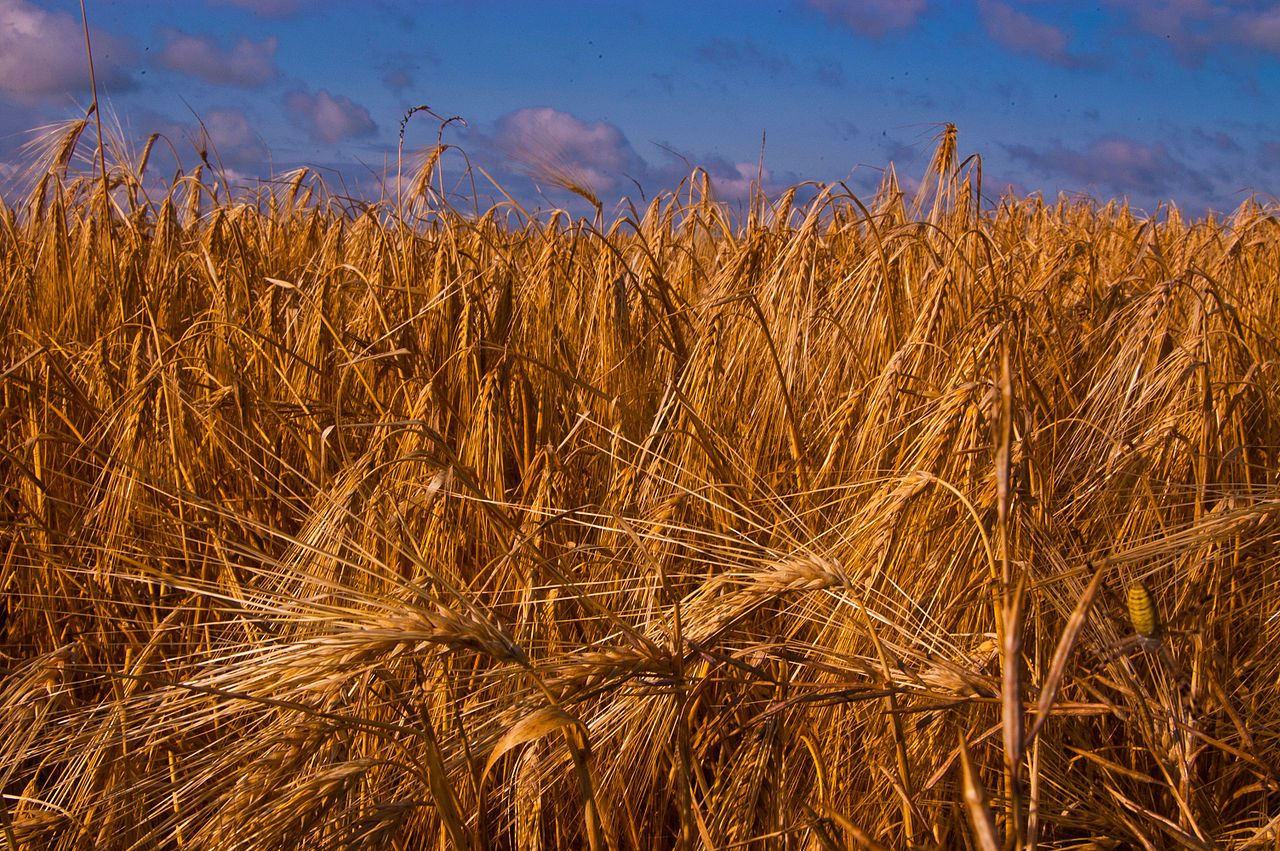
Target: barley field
{"points": [[797, 524]]}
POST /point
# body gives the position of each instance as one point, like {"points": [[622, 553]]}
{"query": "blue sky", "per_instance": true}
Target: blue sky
{"points": [[1153, 100]]}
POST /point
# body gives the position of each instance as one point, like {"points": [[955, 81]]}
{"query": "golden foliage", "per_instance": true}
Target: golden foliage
{"points": [[328, 527]]}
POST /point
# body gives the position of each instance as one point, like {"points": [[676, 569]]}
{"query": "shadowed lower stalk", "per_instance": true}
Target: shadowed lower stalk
{"points": [[1011, 609]]}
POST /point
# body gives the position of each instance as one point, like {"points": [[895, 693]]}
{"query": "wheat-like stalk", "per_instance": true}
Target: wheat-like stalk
{"points": [[329, 527]]}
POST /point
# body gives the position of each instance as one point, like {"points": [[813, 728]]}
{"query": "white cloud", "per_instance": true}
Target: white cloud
{"points": [[233, 137], [1119, 163], [249, 64], [1196, 28], [42, 55], [265, 8], [736, 183], [1023, 34], [874, 18], [329, 118], [547, 139]]}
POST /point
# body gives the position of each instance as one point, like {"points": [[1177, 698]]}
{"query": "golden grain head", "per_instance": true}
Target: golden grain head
{"points": [[333, 525]]}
